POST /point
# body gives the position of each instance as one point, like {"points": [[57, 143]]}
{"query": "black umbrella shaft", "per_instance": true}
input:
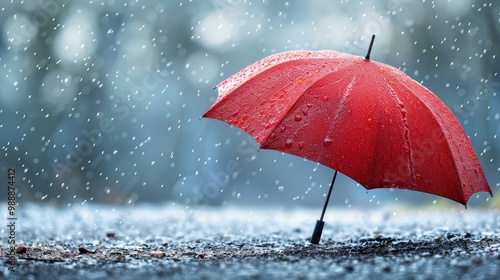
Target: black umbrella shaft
{"points": [[328, 196]]}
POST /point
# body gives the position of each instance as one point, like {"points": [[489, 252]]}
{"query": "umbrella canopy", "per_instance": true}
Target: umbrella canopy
{"points": [[365, 119]]}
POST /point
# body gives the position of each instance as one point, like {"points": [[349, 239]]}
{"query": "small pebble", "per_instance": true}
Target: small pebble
{"points": [[176, 258], [157, 254], [83, 250], [477, 261], [21, 249]]}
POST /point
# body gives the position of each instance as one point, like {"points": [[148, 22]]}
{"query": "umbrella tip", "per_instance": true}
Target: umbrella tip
{"points": [[318, 230], [367, 57]]}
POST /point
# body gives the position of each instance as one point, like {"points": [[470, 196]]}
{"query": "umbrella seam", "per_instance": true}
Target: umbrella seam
{"points": [[407, 129], [441, 124]]}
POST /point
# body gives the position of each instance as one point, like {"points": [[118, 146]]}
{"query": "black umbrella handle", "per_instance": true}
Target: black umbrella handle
{"points": [[318, 230]]}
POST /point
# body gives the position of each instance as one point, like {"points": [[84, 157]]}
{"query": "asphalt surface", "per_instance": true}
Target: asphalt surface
{"points": [[175, 242]]}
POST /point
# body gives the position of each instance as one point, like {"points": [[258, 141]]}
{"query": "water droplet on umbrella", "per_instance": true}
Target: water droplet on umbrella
{"points": [[301, 145], [349, 112], [418, 177], [298, 117], [386, 184], [386, 112], [325, 98], [327, 142], [300, 81], [304, 111], [288, 143], [262, 102], [309, 105], [369, 121]]}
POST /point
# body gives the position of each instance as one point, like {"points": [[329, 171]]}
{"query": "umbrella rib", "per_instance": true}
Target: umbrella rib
{"points": [[442, 123], [406, 130], [345, 95]]}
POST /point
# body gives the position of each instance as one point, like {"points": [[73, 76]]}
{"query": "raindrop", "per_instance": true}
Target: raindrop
{"points": [[369, 121], [298, 117], [349, 112], [386, 184], [327, 142], [288, 143]]}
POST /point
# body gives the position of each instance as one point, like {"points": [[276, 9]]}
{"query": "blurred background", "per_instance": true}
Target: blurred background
{"points": [[101, 100]]}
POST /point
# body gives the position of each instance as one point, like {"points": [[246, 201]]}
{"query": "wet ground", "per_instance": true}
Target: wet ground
{"points": [[154, 242]]}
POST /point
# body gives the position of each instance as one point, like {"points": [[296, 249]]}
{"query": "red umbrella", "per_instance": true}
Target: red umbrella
{"points": [[363, 118]]}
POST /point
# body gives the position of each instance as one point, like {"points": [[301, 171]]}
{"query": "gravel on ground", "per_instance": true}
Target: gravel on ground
{"points": [[179, 242]]}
